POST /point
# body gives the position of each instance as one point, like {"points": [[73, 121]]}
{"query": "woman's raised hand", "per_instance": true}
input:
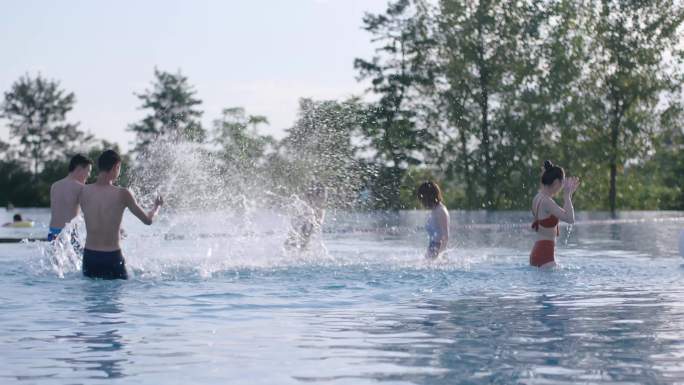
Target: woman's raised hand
{"points": [[571, 184]]}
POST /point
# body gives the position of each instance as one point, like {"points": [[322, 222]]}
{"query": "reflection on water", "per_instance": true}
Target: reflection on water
{"points": [[100, 346], [559, 339]]}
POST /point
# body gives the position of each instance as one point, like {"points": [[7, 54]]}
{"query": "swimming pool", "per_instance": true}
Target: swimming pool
{"points": [[214, 299]]}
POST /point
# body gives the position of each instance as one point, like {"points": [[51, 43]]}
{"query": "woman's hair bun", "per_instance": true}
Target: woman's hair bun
{"points": [[551, 173]]}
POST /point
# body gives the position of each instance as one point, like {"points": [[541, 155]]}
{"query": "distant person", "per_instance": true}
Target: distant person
{"points": [[64, 194], [18, 221], [310, 221], [553, 180], [10, 207], [103, 205], [437, 225]]}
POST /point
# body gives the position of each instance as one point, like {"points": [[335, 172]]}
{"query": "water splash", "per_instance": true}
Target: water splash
{"points": [[215, 194], [568, 233], [63, 255]]}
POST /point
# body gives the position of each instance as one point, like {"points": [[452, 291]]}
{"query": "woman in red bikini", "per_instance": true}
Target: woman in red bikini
{"points": [[547, 213]]}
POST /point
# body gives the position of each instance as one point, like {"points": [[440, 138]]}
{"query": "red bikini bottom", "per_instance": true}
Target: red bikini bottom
{"points": [[542, 253]]}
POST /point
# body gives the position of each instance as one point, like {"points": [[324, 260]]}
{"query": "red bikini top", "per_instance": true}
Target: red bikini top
{"points": [[549, 222]]}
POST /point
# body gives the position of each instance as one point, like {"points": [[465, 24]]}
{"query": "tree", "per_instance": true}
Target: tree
{"points": [[490, 66], [318, 149], [240, 143], [17, 186], [397, 72], [666, 164], [173, 113], [634, 65], [36, 109], [242, 155], [4, 150]]}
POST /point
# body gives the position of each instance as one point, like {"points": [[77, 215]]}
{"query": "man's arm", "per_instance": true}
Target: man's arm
{"points": [[131, 204]]}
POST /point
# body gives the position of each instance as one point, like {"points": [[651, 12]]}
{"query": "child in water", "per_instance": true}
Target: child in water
{"points": [[543, 206], [437, 225], [310, 219]]}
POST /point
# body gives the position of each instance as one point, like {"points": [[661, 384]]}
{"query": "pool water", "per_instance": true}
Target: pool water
{"points": [[214, 298]]}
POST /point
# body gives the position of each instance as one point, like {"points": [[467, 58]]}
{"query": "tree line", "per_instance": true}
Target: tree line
{"points": [[472, 94], [478, 93]]}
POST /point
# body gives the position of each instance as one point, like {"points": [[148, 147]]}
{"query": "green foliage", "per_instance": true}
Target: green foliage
{"points": [[490, 52], [398, 71], [319, 149], [626, 75], [240, 154], [36, 109], [18, 186], [240, 144], [171, 103], [614, 71], [590, 86]]}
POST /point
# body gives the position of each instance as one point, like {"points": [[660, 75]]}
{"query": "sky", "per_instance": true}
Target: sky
{"points": [[262, 55]]}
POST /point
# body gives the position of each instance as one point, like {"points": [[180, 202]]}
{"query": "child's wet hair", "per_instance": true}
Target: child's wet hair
{"points": [[429, 194]]}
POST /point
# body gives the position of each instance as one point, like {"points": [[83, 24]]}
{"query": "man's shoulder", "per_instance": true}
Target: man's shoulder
{"points": [[76, 185], [106, 192], [86, 190], [66, 185], [94, 186], [124, 190], [124, 193], [59, 183]]}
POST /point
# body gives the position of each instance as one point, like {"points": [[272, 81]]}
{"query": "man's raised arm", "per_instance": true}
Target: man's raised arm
{"points": [[131, 204]]}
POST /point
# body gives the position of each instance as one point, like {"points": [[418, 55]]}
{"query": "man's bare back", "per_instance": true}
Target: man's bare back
{"points": [[64, 201], [64, 195], [103, 205]]}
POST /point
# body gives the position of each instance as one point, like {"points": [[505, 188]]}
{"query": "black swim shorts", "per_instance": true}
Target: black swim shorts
{"points": [[104, 264]]}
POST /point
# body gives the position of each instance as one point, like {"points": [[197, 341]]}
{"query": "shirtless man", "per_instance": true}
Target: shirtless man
{"points": [[64, 194], [103, 205]]}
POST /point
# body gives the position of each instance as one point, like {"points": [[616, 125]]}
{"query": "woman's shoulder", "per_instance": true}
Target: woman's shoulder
{"points": [[441, 209], [540, 202]]}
